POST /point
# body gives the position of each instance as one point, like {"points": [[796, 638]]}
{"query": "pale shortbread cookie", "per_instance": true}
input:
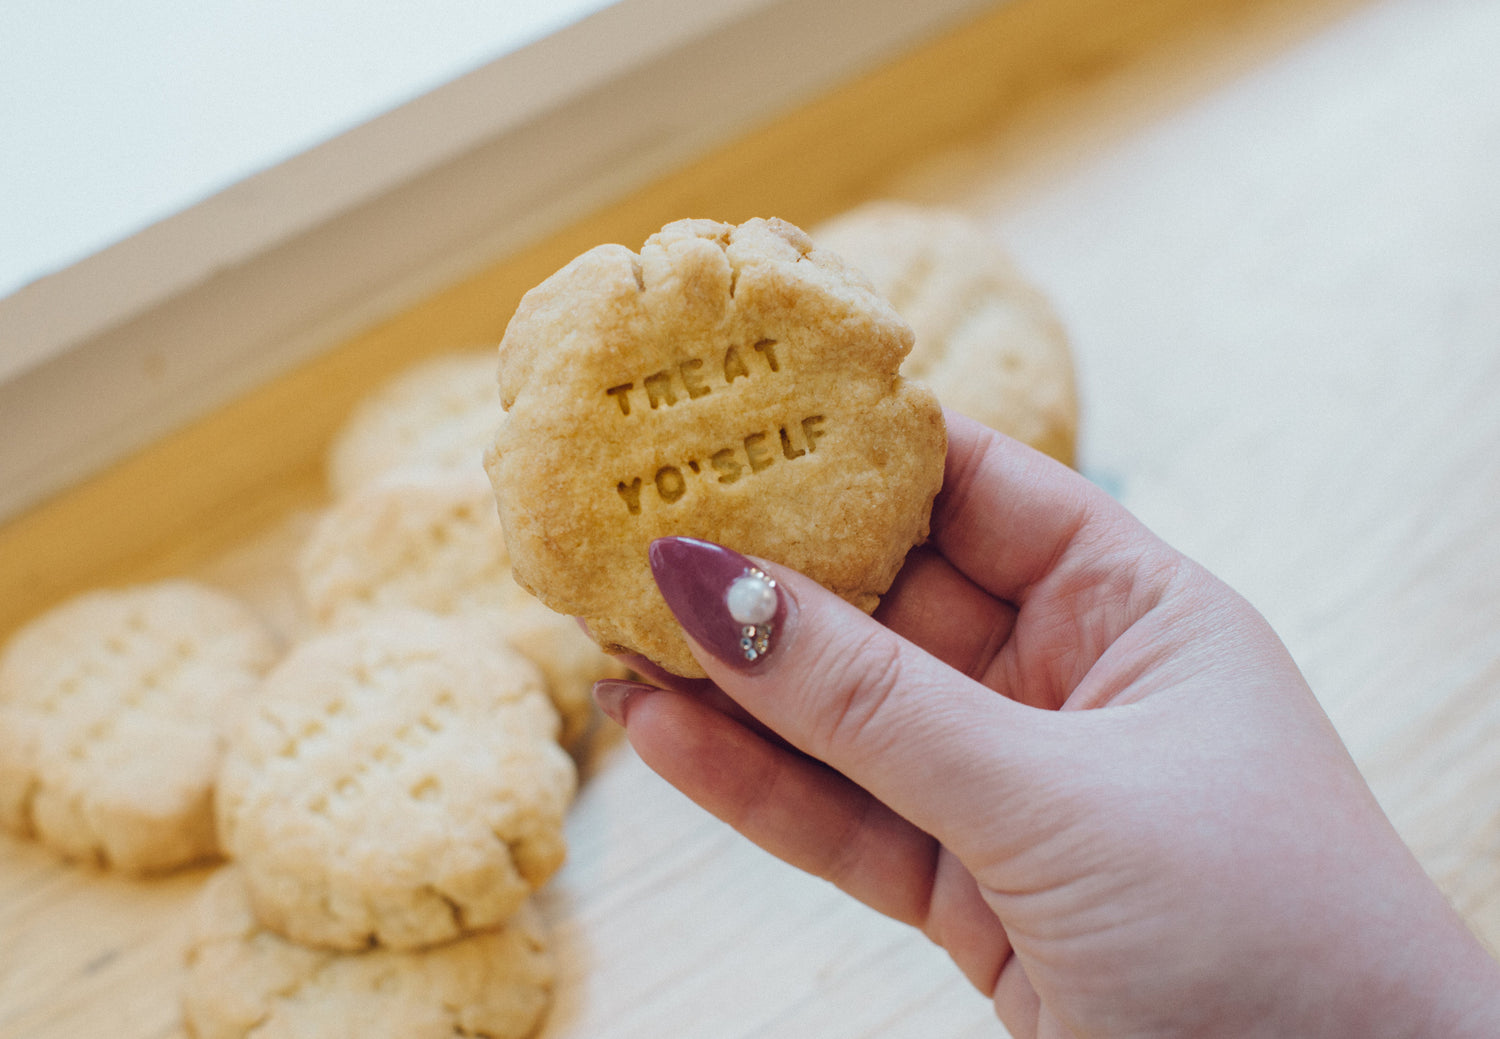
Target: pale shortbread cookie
{"points": [[438, 414], [245, 982], [729, 383], [113, 713], [432, 541], [987, 342], [397, 784]]}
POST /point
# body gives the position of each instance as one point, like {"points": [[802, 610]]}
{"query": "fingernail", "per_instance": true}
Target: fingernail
{"points": [[613, 696], [725, 603]]}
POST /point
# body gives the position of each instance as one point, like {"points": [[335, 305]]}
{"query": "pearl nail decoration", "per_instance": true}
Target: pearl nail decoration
{"points": [[752, 602], [752, 598]]}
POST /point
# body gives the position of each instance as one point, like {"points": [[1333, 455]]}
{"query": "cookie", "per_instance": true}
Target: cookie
{"points": [[437, 414], [728, 383], [987, 342], [113, 710], [242, 980], [396, 784], [432, 541]]}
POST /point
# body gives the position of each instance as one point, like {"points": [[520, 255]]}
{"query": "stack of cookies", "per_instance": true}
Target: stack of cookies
{"points": [[390, 790], [414, 526], [400, 788], [389, 806]]}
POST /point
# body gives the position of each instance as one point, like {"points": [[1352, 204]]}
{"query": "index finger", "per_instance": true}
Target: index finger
{"points": [[1007, 514]]}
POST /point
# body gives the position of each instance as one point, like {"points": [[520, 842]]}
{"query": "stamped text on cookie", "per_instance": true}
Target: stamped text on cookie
{"points": [[696, 377], [752, 453]]}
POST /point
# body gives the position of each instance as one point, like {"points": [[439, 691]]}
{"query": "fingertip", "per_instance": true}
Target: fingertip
{"points": [[615, 696], [1007, 513], [654, 674]]}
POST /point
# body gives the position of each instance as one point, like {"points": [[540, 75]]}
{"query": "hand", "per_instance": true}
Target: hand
{"points": [[1075, 760]]}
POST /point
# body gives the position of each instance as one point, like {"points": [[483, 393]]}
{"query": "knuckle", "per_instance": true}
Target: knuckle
{"points": [[857, 685], [843, 857]]}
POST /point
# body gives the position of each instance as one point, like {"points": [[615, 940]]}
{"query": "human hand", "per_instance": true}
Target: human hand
{"points": [[1075, 760]]}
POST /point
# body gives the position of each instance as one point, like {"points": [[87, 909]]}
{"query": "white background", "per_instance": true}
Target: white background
{"points": [[114, 115]]}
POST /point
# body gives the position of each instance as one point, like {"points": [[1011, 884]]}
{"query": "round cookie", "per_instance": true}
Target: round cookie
{"points": [[398, 784], [727, 383], [113, 714], [432, 541], [243, 980], [987, 343], [438, 414]]}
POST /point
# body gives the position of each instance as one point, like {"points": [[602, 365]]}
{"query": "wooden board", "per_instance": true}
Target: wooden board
{"points": [[1272, 228]]}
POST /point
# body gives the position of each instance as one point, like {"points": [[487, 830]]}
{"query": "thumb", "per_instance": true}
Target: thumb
{"points": [[937, 747]]}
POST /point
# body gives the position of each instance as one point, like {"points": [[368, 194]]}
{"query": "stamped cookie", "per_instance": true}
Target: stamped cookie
{"points": [[437, 414], [432, 541], [987, 342], [729, 383], [113, 711], [243, 981], [396, 784]]}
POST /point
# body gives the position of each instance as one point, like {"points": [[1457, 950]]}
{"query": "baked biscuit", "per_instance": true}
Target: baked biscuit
{"points": [[438, 414], [432, 541], [397, 784], [987, 343], [243, 980], [729, 383], [113, 711]]}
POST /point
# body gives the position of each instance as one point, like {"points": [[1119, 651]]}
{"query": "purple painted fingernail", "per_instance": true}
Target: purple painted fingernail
{"points": [[725, 603]]}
